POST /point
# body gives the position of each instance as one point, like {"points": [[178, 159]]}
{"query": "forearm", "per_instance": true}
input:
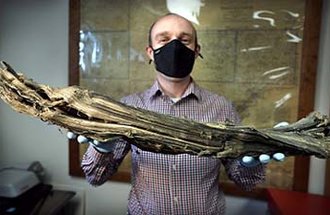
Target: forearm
{"points": [[98, 167]]}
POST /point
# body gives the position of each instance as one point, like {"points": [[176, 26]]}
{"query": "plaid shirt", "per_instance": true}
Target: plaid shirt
{"points": [[174, 184]]}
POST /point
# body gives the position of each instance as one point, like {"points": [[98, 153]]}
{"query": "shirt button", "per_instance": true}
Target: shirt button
{"points": [[174, 167], [176, 199]]}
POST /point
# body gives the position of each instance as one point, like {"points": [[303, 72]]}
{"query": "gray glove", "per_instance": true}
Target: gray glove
{"points": [[104, 147]]}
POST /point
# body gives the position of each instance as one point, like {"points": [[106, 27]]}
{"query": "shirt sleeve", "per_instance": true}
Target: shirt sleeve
{"points": [[98, 167], [245, 177]]}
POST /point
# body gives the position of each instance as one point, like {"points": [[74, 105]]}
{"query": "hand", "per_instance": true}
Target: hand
{"points": [[104, 147], [249, 161]]}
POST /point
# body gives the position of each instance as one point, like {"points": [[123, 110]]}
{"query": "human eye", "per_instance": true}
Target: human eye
{"points": [[163, 40], [185, 40]]}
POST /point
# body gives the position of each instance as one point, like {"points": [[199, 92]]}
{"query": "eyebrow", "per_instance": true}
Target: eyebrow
{"points": [[186, 34], [166, 34], [162, 34]]}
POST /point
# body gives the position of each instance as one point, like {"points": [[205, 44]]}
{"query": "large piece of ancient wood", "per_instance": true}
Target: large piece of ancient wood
{"points": [[99, 117]]}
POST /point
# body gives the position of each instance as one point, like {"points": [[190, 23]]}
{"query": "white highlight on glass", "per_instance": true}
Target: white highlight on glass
{"points": [[293, 38], [259, 15], [255, 48], [189, 9], [90, 51], [276, 70], [281, 101], [295, 15], [285, 70]]}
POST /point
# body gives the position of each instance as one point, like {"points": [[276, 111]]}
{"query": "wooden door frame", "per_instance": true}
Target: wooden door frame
{"points": [[327, 179]]}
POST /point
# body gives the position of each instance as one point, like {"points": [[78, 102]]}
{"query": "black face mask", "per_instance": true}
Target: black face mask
{"points": [[174, 59]]}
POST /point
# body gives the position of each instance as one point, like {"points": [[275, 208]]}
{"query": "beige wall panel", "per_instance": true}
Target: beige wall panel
{"points": [[218, 50], [115, 88], [233, 4], [140, 85], [105, 14], [140, 69], [268, 107], [265, 56], [144, 12], [223, 15]]}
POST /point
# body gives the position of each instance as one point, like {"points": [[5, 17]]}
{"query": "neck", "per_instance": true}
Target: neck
{"points": [[173, 87]]}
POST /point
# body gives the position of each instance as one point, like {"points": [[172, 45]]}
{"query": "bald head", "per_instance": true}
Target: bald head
{"points": [[167, 23]]}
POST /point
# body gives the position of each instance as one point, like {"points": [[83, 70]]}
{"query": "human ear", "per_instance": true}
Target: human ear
{"points": [[150, 53], [198, 51]]}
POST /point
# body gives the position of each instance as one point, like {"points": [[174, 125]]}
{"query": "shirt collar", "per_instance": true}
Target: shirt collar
{"points": [[154, 91], [192, 90]]}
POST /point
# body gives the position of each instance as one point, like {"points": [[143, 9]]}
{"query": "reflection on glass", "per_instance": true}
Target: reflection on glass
{"points": [[277, 72], [190, 9], [90, 51], [293, 38], [255, 48], [282, 101], [262, 15]]}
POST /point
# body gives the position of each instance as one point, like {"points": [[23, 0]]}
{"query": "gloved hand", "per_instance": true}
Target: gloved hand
{"points": [[104, 147], [249, 161]]}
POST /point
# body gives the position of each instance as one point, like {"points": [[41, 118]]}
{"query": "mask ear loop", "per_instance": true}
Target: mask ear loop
{"points": [[152, 50]]}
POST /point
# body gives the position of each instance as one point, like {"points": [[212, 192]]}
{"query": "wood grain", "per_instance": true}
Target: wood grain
{"points": [[99, 117]]}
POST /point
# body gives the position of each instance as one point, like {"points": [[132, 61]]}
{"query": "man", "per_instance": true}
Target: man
{"points": [[174, 184]]}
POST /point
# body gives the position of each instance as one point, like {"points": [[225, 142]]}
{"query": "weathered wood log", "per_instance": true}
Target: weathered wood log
{"points": [[99, 117]]}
